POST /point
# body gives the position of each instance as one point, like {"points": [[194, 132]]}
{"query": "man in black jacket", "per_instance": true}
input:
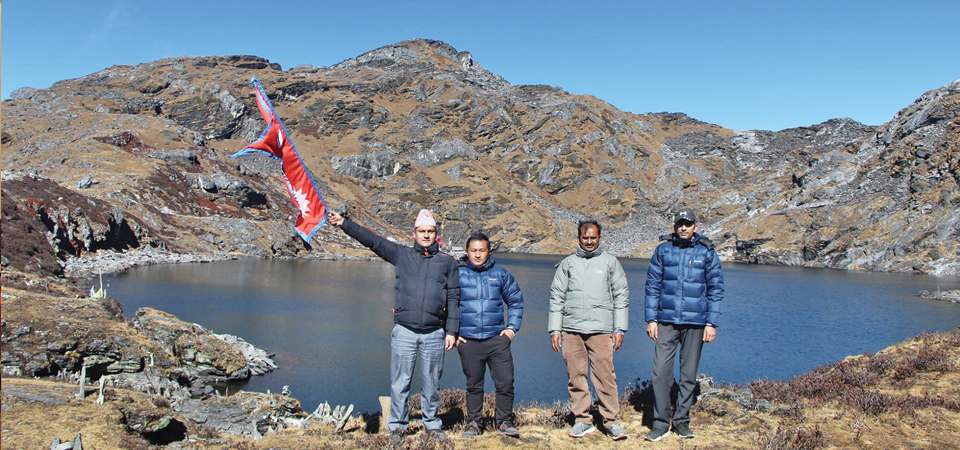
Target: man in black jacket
{"points": [[427, 302]]}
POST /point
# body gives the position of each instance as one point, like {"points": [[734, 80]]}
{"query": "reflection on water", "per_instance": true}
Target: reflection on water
{"points": [[328, 322]]}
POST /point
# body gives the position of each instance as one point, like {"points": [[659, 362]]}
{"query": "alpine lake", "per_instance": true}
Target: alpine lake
{"points": [[328, 322]]}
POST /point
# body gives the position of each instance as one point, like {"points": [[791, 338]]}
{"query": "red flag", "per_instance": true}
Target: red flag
{"points": [[276, 142]]}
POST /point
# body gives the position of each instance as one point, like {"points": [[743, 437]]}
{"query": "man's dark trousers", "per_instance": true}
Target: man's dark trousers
{"points": [[690, 340], [475, 355]]}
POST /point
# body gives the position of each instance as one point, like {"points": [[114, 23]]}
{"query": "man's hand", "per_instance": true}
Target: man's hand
{"points": [[461, 340], [449, 342], [709, 333], [555, 340], [508, 333], [617, 341], [334, 219], [653, 330]]}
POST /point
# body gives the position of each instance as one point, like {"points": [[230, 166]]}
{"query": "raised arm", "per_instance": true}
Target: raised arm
{"points": [[382, 247]]}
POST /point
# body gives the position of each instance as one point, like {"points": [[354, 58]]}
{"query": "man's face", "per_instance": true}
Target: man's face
{"points": [[589, 237], [685, 229], [425, 236], [478, 252]]}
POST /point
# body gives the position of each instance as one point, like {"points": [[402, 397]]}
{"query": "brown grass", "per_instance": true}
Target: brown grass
{"points": [[903, 397]]}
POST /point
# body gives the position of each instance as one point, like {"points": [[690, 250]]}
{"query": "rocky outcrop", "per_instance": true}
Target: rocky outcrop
{"points": [[258, 360], [155, 372], [946, 296], [157, 353], [419, 124], [203, 358], [23, 243], [70, 222], [246, 414]]}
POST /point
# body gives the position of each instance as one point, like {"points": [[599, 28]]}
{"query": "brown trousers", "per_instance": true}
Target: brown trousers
{"points": [[593, 351]]}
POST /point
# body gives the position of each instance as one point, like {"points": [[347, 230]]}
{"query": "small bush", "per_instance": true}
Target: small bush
{"points": [[552, 415], [450, 400], [799, 438], [871, 402], [160, 401], [794, 412], [638, 394], [929, 358]]}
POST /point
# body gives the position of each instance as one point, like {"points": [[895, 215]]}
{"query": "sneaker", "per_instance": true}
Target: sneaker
{"points": [[581, 430], [397, 435], [508, 429], [616, 432], [656, 434], [682, 430], [437, 434], [472, 430]]}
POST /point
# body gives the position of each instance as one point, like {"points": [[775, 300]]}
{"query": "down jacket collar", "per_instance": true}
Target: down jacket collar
{"points": [[683, 243], [465, 262], [585, 254], [433, 249]]}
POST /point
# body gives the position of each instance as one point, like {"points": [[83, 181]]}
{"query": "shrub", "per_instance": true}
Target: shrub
{"points": [[871, 402], [799, 438], [552, 415]]}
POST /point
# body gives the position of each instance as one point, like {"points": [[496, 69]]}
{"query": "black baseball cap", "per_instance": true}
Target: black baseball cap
{"points": [[685, 214]]}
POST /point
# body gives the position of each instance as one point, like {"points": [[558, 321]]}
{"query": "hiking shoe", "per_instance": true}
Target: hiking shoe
{"points": [[471, 431], [682, 430], [616, 432], [581, 430], [508, 429], [437, 434], [397, 435], [656, 434]]}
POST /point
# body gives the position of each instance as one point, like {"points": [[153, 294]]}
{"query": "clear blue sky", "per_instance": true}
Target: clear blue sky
{"points": [[740, 64]]}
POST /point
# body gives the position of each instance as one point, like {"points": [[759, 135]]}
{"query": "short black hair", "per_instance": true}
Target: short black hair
{"points": [[586, 222], [477, 236]]}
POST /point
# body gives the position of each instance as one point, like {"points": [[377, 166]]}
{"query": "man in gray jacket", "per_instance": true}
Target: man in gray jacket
{"points": [[588, 316]]}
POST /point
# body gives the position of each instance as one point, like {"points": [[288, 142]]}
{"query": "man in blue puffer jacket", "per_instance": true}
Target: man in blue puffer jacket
{"points": [[684, 296], [484, 335]]}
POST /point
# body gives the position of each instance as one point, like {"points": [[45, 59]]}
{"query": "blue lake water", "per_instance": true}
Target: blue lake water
{"points": [[328, 322]]}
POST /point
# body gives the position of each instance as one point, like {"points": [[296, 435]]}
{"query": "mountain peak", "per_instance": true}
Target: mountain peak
{"points": [[415, 51], [437, 54], [422, 56]]}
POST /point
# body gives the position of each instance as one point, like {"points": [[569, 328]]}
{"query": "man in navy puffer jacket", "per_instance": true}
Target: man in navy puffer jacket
{"points": [[684, 296], [425, 315], [484, 335]]}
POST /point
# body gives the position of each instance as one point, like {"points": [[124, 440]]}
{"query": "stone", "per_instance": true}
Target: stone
{"points": [[244, 414], [86, 182]]}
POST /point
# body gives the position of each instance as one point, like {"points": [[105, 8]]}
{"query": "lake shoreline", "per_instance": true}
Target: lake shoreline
{"points": [[944, 296], [114, 262]]}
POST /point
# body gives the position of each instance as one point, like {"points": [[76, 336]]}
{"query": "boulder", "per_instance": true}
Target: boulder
{"points": [[246, 414]]}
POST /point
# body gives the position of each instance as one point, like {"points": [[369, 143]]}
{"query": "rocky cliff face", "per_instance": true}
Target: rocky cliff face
{"points": [[141, 154], [50, 334]]}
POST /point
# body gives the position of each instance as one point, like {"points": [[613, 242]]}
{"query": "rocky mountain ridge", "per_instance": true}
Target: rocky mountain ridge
{"points": [[136, 157]]}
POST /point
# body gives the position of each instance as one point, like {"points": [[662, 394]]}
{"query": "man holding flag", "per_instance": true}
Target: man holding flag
{"points": [[427, 287], [426, 315]]}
